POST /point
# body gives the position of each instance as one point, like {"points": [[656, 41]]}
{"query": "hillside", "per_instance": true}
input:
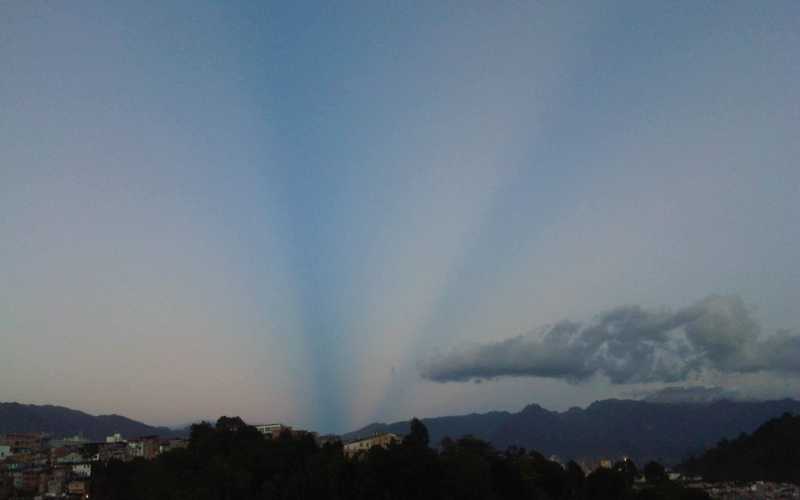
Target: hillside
{"points": [[769, 454], [59, 421], [610, 428]]}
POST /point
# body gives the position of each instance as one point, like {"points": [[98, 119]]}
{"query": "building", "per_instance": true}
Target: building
{"points": [[76, 440], [27, 481], [82, 470], [115, 438], [384, 440], [71, 458], [78, 488], [5, 451], [55, 486], [31, 441], [273, 431], [147, 447], [112, 451], [172, 444]]}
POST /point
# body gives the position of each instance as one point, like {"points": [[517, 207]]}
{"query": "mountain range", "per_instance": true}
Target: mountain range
{"points": [[641, 430], [61, 422]]}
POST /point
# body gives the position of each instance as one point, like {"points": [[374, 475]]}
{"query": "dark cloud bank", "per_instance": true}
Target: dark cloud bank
{"points": [[631, 345]]}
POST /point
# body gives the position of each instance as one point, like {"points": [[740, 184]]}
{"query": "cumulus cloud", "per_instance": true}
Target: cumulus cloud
{"points": [[628, 345]]}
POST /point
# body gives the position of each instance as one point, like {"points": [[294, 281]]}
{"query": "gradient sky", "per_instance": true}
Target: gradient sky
{"points": [[280, 211]]}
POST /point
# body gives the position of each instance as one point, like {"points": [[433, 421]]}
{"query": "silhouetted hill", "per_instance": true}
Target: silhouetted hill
{"points": [[611, 428], [769, 454], [480, 425], [59, 421]]}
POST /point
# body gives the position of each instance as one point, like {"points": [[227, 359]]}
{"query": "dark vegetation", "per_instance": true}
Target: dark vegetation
{"points": [[771, 453], [232, 461]]}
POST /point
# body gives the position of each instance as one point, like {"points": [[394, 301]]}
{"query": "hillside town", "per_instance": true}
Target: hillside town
{"points": [[40, 466], [37, 465]]}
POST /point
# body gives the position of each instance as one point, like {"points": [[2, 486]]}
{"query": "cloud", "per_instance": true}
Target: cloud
{"points": [[630, 345], [693, 394]]}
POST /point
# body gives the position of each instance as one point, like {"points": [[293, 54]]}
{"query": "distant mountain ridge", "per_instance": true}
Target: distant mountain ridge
{"points": [[59, 421], [611, 428]]}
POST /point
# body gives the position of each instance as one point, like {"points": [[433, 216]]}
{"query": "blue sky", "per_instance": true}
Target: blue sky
{"points": [[285, 211]]}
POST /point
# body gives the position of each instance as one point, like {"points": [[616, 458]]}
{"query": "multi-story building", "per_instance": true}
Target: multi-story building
{"points": [[30, 441], [115, 438], [144, 447], [384, 440], [112, 451], [82, 470]]}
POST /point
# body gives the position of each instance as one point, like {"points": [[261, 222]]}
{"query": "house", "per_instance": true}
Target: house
{"points": [[384, 440]]}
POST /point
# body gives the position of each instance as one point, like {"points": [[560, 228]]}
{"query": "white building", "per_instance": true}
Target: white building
{"points": [[5, 451], [83, 470], [115, 438], [136, 449], [272, 431]]}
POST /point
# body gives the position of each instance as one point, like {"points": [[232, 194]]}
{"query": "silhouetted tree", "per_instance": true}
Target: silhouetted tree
{"points": [[233, 461], [418, 435], [576, 480], [628, 469], [607, 484], [654, 473]]}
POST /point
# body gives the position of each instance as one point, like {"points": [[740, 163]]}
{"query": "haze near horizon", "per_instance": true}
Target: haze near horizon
{"points": [[329, 215]]}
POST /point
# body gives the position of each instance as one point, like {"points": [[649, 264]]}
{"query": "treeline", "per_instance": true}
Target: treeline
{"points": [[771, 453], [233, 461]]}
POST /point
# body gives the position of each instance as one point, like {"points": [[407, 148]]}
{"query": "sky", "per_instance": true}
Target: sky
{"points": [[329, 214]]}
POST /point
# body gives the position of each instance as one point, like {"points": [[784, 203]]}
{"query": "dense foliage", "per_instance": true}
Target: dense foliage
{"points": [[232, 461], [769, 454]]}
